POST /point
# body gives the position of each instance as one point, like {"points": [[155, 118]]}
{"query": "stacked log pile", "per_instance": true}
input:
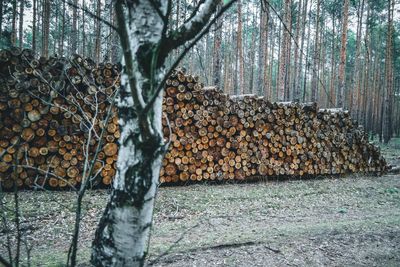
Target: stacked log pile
{"points": [[220, 137], [50, 109], [51, 116]]}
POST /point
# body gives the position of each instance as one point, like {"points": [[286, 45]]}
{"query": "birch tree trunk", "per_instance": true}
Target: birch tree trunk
{"points": [[123, 233], [124, 230]]}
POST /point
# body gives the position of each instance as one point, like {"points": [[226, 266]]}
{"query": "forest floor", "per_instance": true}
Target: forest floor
{"points": [[335, 221]]}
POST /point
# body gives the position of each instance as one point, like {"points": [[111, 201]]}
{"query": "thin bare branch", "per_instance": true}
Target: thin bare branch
{"points": [[192, 27], [5, 262], [91, 14], [184, 52], [157, 9]]}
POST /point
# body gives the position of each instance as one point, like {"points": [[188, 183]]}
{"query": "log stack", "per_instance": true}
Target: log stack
{"points": [[52, 114], [217, 137]]}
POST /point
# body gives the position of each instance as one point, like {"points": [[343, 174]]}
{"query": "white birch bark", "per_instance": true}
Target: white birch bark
{"points": [[123, 234]]}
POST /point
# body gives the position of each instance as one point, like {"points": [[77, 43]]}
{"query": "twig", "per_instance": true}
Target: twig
{"points": [[91, 14], [5, 262], [183, 53]]}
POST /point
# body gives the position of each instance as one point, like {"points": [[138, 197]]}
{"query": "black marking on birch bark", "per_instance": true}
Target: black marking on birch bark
{"points": [[123, 93], [98, 257], [146, 226], [138, 179], [143, 54]]}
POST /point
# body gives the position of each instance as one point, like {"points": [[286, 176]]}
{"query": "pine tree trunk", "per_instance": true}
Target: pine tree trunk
{"points": [[34, 25], [84, 48], [61, 43], [270, 71], [284, 54], [376, 93], [288, 50], [278, 63], [240, 58], [300, 66], [46, 28], [217, 51], [307, 66], [342, 66], [387, 101], [1, 16], [74, 30], [296, 52], [252, 56], [333, 63], [315, 74], [56, 27], [322, 97], [14, 23], [21, 23], [356, 94], [365, 90], [115, 52], [97, 45], [261, 51], [227, 67]]}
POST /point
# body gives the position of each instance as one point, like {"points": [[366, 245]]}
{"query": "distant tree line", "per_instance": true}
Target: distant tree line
{"points": [[337, 53]]}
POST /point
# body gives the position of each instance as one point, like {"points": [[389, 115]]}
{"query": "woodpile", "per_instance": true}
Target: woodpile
{"points": [[53, 111], [217, 137], [51, 116]]}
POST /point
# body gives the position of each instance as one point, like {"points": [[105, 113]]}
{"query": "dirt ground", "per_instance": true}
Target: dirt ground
{"points": [[340, 221]]}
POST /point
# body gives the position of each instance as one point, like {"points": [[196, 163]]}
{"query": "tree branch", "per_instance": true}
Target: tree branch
{"points": [[184, 52], [166, 21], [196, 9], [91, 14], [155, 7], [191, 28], [5, 262]]}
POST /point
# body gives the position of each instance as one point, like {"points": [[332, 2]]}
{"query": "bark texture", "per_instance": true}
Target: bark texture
{"points": [[342, 66], [123, 232]]}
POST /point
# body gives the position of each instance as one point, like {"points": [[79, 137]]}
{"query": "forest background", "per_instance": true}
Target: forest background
{"points": [[340, 54]]}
